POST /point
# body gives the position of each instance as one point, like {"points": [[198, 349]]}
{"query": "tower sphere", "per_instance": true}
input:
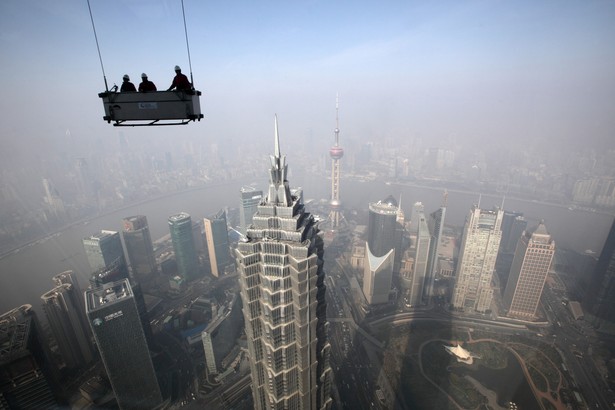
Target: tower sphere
{"points": [[336, 152], [335, 204]]}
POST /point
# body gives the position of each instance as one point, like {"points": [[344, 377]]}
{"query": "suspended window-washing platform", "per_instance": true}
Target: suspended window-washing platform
{"points": [[130, 109]]}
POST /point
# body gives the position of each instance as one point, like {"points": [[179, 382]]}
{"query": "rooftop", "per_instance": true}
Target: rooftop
{"points": [[107, 294]]}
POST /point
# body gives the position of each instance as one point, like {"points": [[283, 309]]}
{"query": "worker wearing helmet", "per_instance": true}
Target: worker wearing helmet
{"points": [[127, 86], [146, 85], [180, 82]]}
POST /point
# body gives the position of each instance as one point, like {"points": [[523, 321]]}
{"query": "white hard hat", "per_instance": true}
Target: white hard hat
{"points": [[126, 77], [143, 75], [177, 68]]}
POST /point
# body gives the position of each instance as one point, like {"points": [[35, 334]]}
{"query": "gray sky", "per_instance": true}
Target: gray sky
{"points": [[490, 71]]}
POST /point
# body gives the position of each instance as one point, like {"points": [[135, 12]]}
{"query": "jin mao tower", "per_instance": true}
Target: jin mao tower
{"points": [[280, 264]]}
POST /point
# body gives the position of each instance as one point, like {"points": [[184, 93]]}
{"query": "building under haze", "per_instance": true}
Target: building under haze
{"points": [[106, 257], [435, 224], [599, 299], [27, 379], [281, 274], [382, 233], [528, 273], [336, 152], [216, 237], [513, 226], [139, 247], [62, 306], [180, 226], [116, 325], [473, 290], [414, 280], [250, 198]]}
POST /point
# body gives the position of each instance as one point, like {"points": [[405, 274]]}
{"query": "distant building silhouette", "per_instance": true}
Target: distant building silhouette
{"points": [[250, 198], [216, 237], [528, 273], [180, 226], [139, 247], [115, 323], [479, 249], [281, 275], [27, 379]]}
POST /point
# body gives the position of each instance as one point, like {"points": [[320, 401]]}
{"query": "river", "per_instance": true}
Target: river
{"points": [[26, 274]]}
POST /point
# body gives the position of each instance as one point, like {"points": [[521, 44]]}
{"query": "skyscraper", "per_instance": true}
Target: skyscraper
{"points": [[216, 237], [377, 275], [528, 273], [419, 251], [106, 257], [599, 299], [27, 380], [436, 226], [381, 227], [114, 320], [180, 226], [336, 152], [381, 240], [62, 308], [139, 247], [513, 225], [250, 198], [281, 273], [479, 249]]}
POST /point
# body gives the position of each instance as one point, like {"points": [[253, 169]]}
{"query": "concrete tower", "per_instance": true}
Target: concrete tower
{"points": [[280, 264], [114, 320], [528, 273], [479, 249], [599, 299], [336, 152], [419, 251]]}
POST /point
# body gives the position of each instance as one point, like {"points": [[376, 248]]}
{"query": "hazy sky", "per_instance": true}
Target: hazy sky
{"points": [[494, 70]]}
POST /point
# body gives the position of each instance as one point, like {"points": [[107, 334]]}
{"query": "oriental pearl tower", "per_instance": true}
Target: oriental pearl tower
{"points": [[336, 152]]}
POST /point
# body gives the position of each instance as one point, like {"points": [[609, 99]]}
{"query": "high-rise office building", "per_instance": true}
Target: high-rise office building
{"points": [[414, 281], [62, 308], [180, 226], [377, 275], [106, 257], [479, 250], [435, 224], [381, 227], [281, 274], [139, 247], [27, 379], [599, 298], [216, 237], [336, 152], [115, 323], [382, 235], [513, 226], [528, 273], [250, 198]]}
